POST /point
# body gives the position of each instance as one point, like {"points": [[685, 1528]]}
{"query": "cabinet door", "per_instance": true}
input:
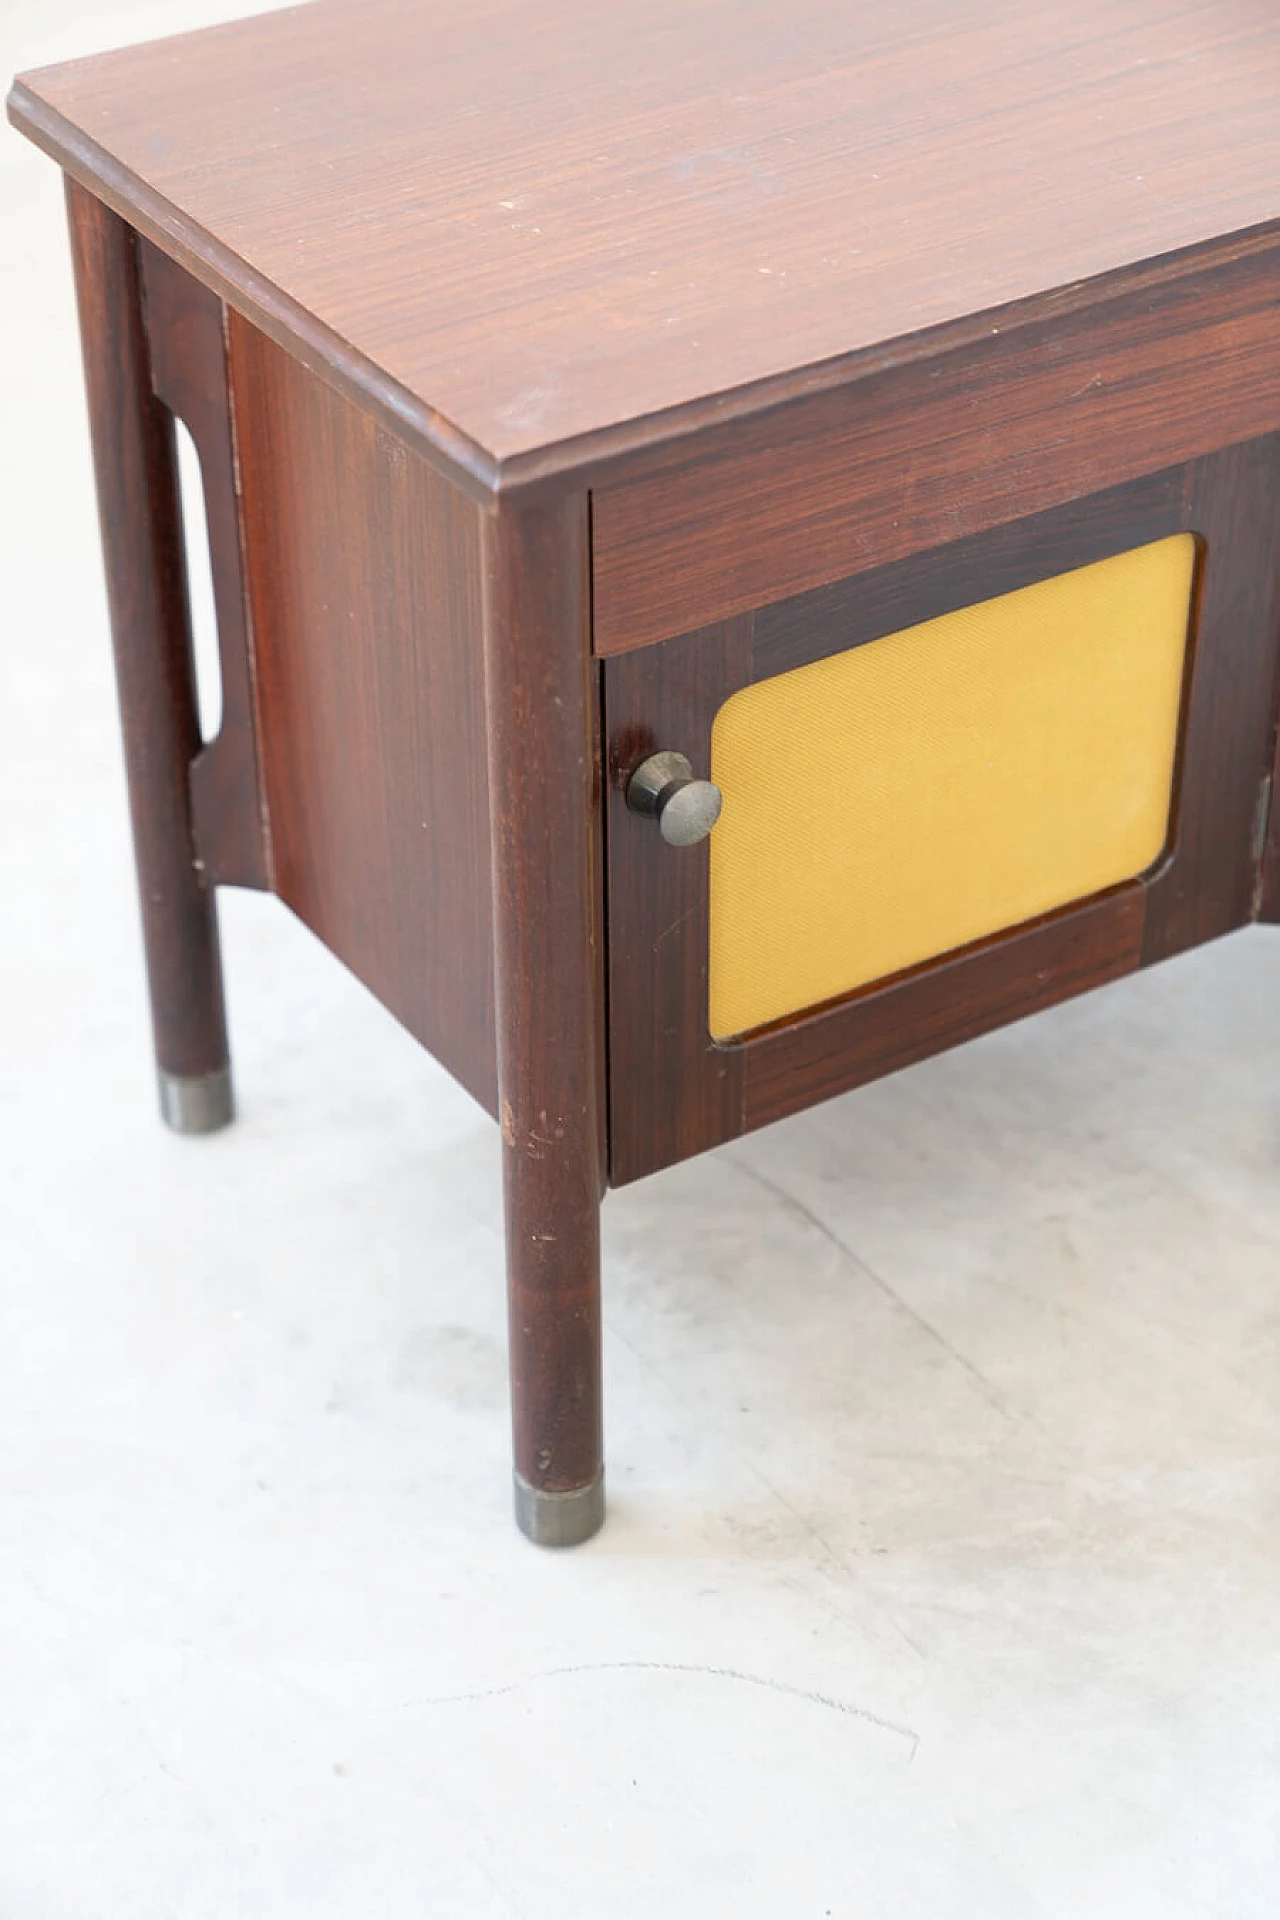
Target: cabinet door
{"points": [[956, 790]]}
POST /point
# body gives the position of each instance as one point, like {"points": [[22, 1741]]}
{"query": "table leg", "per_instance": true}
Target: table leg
{"points": [[544, 800], [138, 504]]}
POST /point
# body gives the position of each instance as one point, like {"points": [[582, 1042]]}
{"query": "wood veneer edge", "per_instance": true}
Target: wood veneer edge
{"points": [[251, 294]]}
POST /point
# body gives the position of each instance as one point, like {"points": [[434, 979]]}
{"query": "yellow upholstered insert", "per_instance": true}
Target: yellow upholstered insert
{"points": [[903, 798]]}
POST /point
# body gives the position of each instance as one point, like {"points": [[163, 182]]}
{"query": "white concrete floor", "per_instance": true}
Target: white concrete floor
{"points": [[942, 1575]]}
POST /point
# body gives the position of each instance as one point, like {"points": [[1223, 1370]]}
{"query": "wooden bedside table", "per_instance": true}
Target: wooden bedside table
{"points": [[867, 416]]}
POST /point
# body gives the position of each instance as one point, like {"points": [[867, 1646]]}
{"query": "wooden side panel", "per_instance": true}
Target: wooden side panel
{"points": [[364, 583], [937, 451]]}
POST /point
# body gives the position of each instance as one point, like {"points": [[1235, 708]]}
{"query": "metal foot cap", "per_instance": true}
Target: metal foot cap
{"points": [[559, 1519], [199, 1103]]}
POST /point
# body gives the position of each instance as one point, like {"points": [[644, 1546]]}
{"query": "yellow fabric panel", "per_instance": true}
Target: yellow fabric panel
{"points": [[903, 798]]}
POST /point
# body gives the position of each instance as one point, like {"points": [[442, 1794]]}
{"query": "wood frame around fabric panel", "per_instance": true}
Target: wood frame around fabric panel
{"points": [[1211, 885], [673, 1090]]}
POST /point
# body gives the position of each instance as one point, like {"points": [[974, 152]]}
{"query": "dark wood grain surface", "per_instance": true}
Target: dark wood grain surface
{"points": [[544, 775], [539, 234], [674, 1091], [1267, 898], [186, 327], [1233, 503], [932, 1008], [927, 454], [668, 1088], [135, 465], [364, 581]]}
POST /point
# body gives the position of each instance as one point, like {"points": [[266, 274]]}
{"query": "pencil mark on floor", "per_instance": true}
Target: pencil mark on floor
{"points": [[814, 1699], [829, 1234]]}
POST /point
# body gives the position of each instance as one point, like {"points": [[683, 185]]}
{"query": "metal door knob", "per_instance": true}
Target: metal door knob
{"points": [[663, 788]]}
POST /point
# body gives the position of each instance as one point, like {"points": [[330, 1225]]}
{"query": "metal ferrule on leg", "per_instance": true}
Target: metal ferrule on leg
{"points": [[196, 1103], [559, 1519]]}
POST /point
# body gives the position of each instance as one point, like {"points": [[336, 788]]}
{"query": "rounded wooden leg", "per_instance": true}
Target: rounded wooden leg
{"points": [[553, 1277], [544, 807], [138, 503]]}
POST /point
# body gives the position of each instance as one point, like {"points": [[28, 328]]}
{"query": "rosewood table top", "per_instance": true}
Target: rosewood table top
{"points": [[535, 236]]}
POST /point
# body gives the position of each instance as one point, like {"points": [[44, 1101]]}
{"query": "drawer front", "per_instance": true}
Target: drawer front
{"points": [[955, 790], [940, 449]]}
